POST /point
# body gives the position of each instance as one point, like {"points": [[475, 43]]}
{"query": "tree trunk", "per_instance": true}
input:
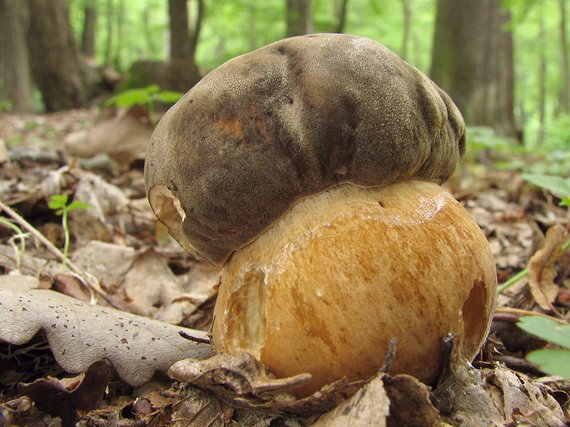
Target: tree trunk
{"points": [[57, 67], [467, 62], [407, 12], [183, 42], [14, 21], [299, 17], [88, 34], [151, 45], [542, 75], [565, 89], [117, 52], [109, 12], [341, 7]]}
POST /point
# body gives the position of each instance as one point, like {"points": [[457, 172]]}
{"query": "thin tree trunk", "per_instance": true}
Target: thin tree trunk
{"points": [[14, 22], [183, 43], [565, 89], [407, 12], [109, 12], [88, 34], [299, 17], [542, 74], [507, 73], [117, 55], [150, 41], [341, 7]]}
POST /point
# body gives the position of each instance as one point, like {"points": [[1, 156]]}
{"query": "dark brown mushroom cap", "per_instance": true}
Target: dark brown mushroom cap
{"points": [[287, 121]]}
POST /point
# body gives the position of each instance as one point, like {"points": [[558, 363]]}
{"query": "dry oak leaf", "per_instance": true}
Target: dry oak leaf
{"points": [[542, 267], [80, 334]]}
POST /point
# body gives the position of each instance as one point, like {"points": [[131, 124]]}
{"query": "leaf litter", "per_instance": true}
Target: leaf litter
{"points": [[117, 244]]}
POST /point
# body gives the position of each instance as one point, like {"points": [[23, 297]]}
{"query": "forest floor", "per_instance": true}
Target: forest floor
{"points": [[121, 258]]}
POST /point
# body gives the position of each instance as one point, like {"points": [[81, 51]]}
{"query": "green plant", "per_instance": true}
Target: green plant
{"points": [[147, 97], [19, 235], [555, 184], [59, 204], [555, 361]]}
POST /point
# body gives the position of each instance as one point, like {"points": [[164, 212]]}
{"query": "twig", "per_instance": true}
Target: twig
{"points": [[92, 285], [519, 312]]}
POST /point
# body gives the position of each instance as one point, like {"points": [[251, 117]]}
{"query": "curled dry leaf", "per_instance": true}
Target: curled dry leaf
{"points": [[80, 334], [245, 382], [496, 397], [542, 268]]}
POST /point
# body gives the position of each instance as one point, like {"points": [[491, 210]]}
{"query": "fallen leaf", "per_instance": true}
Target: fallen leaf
{"points": [[369, 406], [156, 300], [410, 403], [80, 334], [61, 398], [542, 268], [123, 134], [108, 262], [245, 382], [496, 397]]}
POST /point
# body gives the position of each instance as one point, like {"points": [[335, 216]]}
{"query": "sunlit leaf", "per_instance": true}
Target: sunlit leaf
{"points": [[58, 201], [77, 204], [547, 329], [552, 361], [168, 97]]}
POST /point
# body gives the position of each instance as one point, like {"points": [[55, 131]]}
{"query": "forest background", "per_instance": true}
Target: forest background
{"points": [[505, 63]]}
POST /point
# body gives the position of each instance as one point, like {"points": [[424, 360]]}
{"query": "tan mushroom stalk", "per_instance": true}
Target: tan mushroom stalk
{"points": [[310, 169]]}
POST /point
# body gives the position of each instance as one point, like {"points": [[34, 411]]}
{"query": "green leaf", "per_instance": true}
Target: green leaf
{"points": [[565, 201], [77, 204], [552, 361], [546, 329], [555, 184], [168, 97], [58, 201], [129, 98]]}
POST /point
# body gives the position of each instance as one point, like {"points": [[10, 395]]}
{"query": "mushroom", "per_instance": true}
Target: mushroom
{"points": [[311, 170]]}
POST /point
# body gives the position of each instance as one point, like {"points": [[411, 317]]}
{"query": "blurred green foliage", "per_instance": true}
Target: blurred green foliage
{"points": [[231, 28], [554, 361]]}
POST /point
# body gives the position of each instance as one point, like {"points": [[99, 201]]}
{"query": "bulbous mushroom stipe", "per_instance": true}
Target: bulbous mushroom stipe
{"points": [[310, 169]]}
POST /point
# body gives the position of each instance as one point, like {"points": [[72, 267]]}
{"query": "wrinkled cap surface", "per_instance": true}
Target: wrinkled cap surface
{"points": [[287, 121]]}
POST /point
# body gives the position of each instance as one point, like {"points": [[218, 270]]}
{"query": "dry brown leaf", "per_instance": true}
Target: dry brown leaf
{"points": [[151, 288], [123, 134], [108, 262], [246, 383], [80, 334], [369, 406], [61, 398], [409, 402], [542, 268], [495, 397]]}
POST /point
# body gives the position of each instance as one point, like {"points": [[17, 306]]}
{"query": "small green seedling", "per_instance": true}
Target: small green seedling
{"points": [[554, 361], [18, 235], [58, 203], [147, 97]]}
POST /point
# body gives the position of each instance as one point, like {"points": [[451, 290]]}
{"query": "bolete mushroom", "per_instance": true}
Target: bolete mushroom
{"points": [[311, 169]]}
